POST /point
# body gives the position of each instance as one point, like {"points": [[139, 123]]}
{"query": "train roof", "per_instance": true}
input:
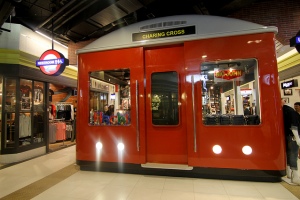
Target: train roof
{"points": [[197, 27]]}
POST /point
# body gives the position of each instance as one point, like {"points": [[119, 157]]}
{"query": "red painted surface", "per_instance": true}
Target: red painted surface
{"points": [[110, 135], [267, 139], [166, 144], [176, 144]]}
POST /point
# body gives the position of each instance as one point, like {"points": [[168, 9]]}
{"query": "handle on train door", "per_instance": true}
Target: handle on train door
{"points": [[137, 115], [194, 114]]}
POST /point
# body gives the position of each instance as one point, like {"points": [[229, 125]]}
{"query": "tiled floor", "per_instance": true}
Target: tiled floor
{"points": [[83, 185]]}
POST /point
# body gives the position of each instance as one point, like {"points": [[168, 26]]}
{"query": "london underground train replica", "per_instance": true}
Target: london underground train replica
{"points": [[188, 95]]}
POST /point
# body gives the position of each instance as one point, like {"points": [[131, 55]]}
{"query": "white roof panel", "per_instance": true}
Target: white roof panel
{"points": [[207, 26]]}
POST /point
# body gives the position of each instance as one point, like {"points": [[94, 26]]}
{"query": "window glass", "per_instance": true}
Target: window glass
{"points": [[10, 109], [110, 99], [1, 89], [24, 129], [25, 94], [38, 97], [38, 109], [164, 98], [10, 129], [230, 94], [24, 112], [26, 97]]}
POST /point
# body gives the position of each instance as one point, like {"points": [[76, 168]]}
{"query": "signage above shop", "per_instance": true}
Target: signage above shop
{"points": [[221, 75], [52, 62], [289, 84], [246, 91], [295, 42], [298, 40], [174, 32]]}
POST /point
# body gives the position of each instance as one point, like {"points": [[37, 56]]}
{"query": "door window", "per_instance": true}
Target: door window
{"points": [[10, 112], [164, 98]]}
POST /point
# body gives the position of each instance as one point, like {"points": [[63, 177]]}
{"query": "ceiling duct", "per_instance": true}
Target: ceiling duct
{"points": [[79, 11], [6, 9], [66, 13], [60, 11]]}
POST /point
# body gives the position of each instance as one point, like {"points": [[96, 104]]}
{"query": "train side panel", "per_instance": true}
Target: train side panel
{"points": [[266, 139], [110, 136]]}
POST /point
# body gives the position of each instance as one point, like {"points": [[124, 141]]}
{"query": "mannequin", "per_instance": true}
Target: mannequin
{"points": [[50, 113]]}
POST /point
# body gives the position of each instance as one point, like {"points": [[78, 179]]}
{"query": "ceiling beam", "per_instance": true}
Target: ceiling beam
{"points": [[55, 14], [76, 13], [66, 13]]}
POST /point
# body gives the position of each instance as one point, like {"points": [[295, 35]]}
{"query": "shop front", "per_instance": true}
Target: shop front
{"points": [[26, 93], [24, 108], [290, 90]]}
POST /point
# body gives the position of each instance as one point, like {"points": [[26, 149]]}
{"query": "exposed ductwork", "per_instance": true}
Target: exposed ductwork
{"points": [[81, 20], [6, 9]]}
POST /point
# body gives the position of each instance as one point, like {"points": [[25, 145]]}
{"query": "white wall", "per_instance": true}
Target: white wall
{"points": [[26, 40], [10, 40]]}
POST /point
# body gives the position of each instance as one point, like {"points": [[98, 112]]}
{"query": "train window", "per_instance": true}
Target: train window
{"points": [[164, 90], [110, 100], [230, 93]]}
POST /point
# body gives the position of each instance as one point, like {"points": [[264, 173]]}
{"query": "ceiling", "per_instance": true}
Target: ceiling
{"points": [[82, 20]]}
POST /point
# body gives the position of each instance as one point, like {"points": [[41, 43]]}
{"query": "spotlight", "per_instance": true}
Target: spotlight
{"points": [[217, 149], [99, 145], [121, 146], [247, 150]]}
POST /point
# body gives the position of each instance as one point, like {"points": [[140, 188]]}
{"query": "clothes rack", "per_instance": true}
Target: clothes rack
{"points": [[59, 128]]}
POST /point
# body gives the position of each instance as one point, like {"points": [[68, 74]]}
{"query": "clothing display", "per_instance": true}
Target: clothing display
{"points": [[64, 111], [69, 130], [57, 131], [38, 124], [24, 125], [60, 130], [38, 94], [52, 132]]}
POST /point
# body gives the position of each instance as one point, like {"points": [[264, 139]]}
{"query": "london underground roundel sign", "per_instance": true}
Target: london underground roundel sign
{"points": [[52, 63]]}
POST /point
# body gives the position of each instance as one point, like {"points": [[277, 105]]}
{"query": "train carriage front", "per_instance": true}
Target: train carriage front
{"points": [[188, 95]]}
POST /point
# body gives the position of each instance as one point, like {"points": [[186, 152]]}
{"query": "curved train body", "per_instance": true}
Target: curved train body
{"points": [[187, 96]]}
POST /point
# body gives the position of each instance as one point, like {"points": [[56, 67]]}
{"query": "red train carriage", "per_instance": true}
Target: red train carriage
{"points": [[184, 96]]}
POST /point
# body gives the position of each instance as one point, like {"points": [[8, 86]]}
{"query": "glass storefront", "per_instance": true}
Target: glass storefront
{"points": [[23, 113]]}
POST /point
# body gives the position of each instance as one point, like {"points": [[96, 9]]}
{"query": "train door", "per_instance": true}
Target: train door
{"points": [[165, 125]]}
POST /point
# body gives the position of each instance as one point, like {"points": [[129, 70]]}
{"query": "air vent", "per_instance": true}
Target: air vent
{"points": [[162, 25]]}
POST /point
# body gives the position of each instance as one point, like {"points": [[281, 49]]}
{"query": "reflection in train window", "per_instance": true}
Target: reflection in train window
{"points": [[164, 98], [230, 93], [110, 100]]}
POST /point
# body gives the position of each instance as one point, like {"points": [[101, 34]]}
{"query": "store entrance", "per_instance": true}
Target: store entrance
{"points": [[62, 117], [165, 126]]}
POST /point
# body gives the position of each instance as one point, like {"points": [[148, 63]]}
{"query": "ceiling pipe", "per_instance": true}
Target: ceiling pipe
{"points": [[55, 14], [66, 13], [79, 11]]}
